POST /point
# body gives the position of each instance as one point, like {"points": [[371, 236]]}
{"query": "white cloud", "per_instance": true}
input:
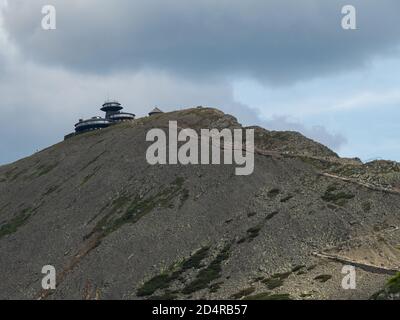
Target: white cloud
{"points": [[319, 133], [364, 100]]}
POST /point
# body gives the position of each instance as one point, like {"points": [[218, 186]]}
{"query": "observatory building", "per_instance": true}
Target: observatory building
{"points": [[113, 115]]}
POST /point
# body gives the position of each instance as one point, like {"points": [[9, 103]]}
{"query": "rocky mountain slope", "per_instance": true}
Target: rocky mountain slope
{"points": [[116, 227]]}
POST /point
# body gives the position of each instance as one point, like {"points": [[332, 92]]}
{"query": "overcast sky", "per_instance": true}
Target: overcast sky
{"points": [[281, 64]]}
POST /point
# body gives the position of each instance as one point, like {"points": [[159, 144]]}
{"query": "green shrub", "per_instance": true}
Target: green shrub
{"points": [[271, 215], [268, 296], [273, 193], [273, 283], [215, 287], [243, 293], [337, 197], [45, 169], [195, 260], [366, 206], [323, 278], [283, 200], [283, 275], [16, 222], [165, 279], [390, 291], [393, 285], [298, 268], [135, 209], [208, 274], [161, 281], [166, 296], [253, 232]]}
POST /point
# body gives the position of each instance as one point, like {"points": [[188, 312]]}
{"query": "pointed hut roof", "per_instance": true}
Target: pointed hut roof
{"points": [[155, 111]]}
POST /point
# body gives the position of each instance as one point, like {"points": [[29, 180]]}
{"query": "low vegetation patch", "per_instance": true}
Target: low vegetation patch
{"points": [[215, 287], [276, 280], [269, 296], [273, 192], [208, 274], [311, 267], [323, 278], [283, 275], [18, 174], [184, 197], [90, 176], [393, 285], [335, 196], [194, 262], [87, 178], [166, 296], [273, 283], [286, 199], [10, 174], [45, 169], [93, 160], [160, 281], [366, 206], [166, 278], [391, 290], [243, 293], [306, 295], [251, 234], [12, 226], [298, 268], [51, 190], [271, 215], [134, 209], [4, 207]]}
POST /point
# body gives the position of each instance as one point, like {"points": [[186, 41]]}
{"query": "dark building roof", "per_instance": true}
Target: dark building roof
{"points": [[121, 116], [155, 111], [111, 106], [91, 124]]}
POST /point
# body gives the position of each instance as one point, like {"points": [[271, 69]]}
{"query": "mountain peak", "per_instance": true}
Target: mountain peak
{"points": [[114, 226]]}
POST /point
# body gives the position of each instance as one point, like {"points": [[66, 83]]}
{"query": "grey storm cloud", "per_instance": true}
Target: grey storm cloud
{"points": [[275, 41]]}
